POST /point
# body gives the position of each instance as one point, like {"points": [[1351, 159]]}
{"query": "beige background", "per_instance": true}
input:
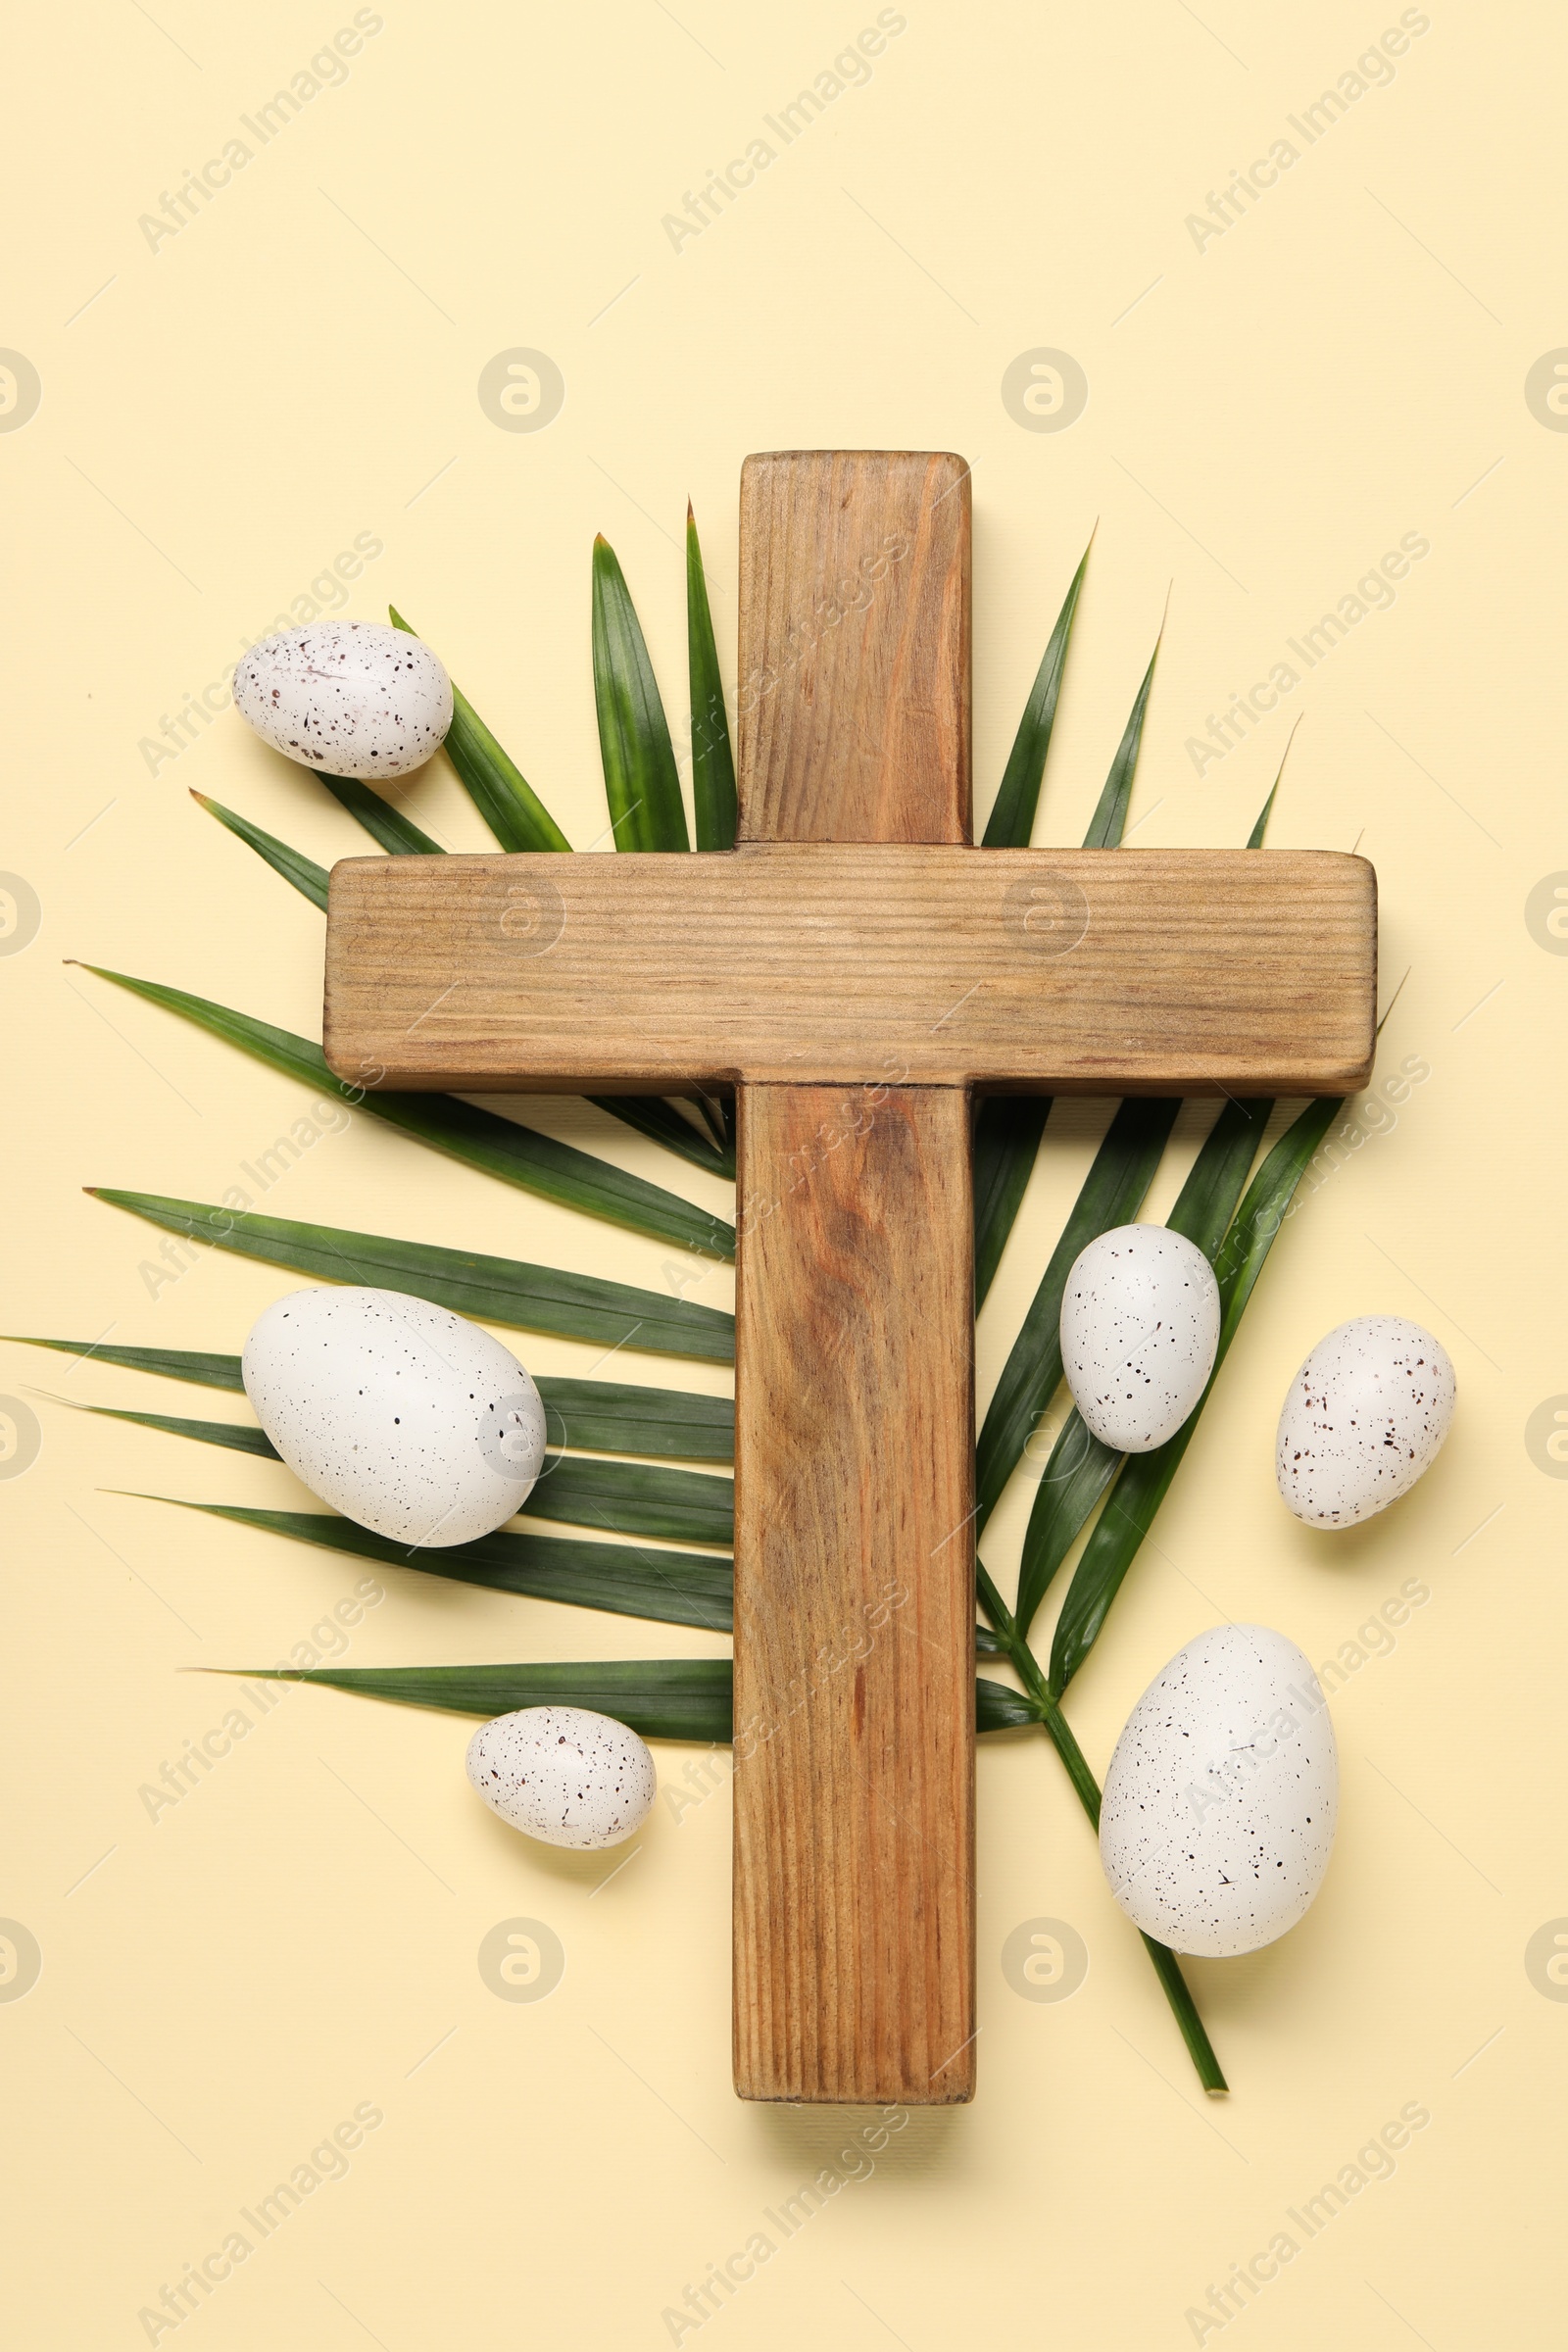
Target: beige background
{"points": [[1266, 416]]}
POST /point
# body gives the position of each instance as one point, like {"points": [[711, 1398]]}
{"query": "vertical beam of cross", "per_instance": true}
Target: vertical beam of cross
{"points": [[855, 1341]]}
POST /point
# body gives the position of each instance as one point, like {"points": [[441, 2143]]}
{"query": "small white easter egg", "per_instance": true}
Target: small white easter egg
{"points": [[1362, 1419], [1220, 1801], [1140, 1327], [400, 1414], [564, 1774], [353, 697]]}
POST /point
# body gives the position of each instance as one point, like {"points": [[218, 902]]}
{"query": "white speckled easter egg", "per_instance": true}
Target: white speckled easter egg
{"points": [[1221, 1798], [401, 1415], [1362, 1419], [353, 697], [1140, 1325], [564, 1774]]}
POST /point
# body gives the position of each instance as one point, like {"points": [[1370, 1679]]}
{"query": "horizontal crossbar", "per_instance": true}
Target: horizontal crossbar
{"points": [[1088, 971]]}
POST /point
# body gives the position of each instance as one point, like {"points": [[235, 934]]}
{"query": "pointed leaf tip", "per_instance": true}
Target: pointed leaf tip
{"points": [[1109, 820], [641, 784], [504, 1148], [1013, 816], [713, 794], [491, 778]]}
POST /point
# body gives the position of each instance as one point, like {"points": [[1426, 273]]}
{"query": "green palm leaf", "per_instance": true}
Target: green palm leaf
{"points": [[607, 1416], [518, 1154], [712, 764], [494, 1289], [240, 1437], [626, 1498], [397, 834], [641, 781], [1074, 1479], [1113, 1194], [601, 1416], [1007, 1129], [308, 878], [632, 1499], [662, 1699], [676, 1588], [1207, 1202], [494, 782], [672, 1588], [173, 1363], [663, 1123], [1145, 1479]]}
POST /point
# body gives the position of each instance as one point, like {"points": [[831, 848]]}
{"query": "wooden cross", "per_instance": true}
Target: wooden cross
{"points": [[857, 971]]}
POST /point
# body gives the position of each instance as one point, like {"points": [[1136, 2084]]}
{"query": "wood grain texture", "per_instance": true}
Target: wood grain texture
{"points": [[853, 671], [855, 1598], [1196, 972], [854, 1326]]}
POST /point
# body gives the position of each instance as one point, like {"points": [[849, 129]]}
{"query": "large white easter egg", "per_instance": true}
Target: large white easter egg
{"points": [[1220, 1800], [353, 697], [1362, 1419], [1140, 1327], [399, 1413]]}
